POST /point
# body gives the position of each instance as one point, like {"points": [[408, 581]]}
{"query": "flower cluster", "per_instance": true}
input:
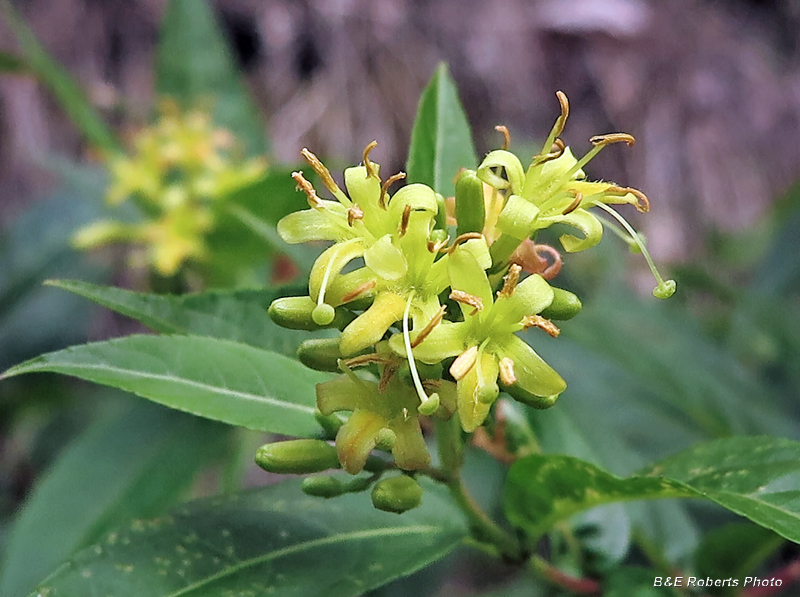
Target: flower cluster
{"points": [[430, 294], [179, 174]]}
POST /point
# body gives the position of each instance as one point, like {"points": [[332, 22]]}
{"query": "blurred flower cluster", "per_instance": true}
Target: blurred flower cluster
{"points": [[179, 173]]}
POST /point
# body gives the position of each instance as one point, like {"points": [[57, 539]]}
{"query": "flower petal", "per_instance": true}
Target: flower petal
{"points": [[518, 217], [369, 327], [311, 224], [582, 220], [342, 393], [467, 275], [357, 438], [445, 340], [409, 451], [501, 158], [534, 377], [385, 259], [330, 263], [531, 296], [476, 391]]}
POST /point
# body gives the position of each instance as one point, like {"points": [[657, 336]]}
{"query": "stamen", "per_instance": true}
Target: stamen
{"points": [[386, 376], [510, 281], [437, 319], [537, 321], [507, 375], [553, 269], [323, 313], [558, 128], [643, 203], [325, 175], [428, 404], [556, 151], [574, 205], [665, 288], [385, 187], [354, 213], [365, 359], [307, 188], [501, 128], [368, 285], [367, 164], [463, 363], [611, 138], [461, 239], [436, 246], [352, 376], [404, 221], [467, 299]]}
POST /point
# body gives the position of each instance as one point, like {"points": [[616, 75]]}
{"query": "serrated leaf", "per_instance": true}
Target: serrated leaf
{"points": [[755, 477], [128, 465], [237, 315], [194, 65], [217, 379], [68, 94], [441, 140], [274, 540]]}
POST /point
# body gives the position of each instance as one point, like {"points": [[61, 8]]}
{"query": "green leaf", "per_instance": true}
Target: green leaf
{"points": [[756, 477], [217, 379], [194, 65], [735, 550], [69, 95], [238, 315], [131, 464], [441, 140], [634, 582], [274, 540]]}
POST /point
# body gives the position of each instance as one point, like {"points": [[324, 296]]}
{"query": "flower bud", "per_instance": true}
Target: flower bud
{"points": [[299, 457], [397, 494], [532, 400], [565, 305], [323, 486], [470, 206], [296, 313], [321, 354]]}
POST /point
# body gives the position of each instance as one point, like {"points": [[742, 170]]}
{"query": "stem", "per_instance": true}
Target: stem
{"points": [[580, 586]]}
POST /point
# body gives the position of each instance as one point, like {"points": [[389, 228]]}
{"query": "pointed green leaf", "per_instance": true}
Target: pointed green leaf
{"points": [[238, 315], [217, 379], [755, 477], [274, 540], [68, 94], [127, 465], [194, 65], [441, 140]]}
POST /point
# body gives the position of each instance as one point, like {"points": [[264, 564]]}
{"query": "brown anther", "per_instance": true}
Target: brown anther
{"points": [[510, 281], [574, 205], [404, 221], [556, 151], [553, 269], [365, 359], [368, 285], [467, 299], [643, 203], [529, 256], [501, 128], [354, 213], [562, 120], [307, 188], [507, 375], [464, 362], [613, 138], [537, 321], [462, 238], [321, 170], [431, 385], [435, 247], [386, 376], [385, 187], [436, 320], [367, 164]]}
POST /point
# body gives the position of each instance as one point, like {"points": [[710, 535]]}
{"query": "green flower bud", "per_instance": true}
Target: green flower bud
{"points": [[397, 494], [298, 313], [323, 486], [470, 206], [321, 354], [299, 457], [522, 395], [565, 305], [330, 424]]}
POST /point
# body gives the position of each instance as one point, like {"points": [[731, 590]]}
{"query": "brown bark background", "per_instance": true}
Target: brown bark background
{"points": [[710, 89]]}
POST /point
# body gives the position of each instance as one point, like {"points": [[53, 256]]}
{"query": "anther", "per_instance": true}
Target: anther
{"points": [[562, 120], [501, 128], [365, 359], [464, 362], [436, 246], [436, 320], [322, 171], [507, 375], [557, 149], [510, 281], [385, 187], [467, 299], [574, 205], [404, 221], [367, 164], [386, 375], [307, 188], [612, 138], [354, 213], [369, 285], [537, 321], [461, 239], [642, 203]]}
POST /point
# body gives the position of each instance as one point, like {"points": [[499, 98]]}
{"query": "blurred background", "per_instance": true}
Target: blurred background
{"points": [[709, 88]]}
